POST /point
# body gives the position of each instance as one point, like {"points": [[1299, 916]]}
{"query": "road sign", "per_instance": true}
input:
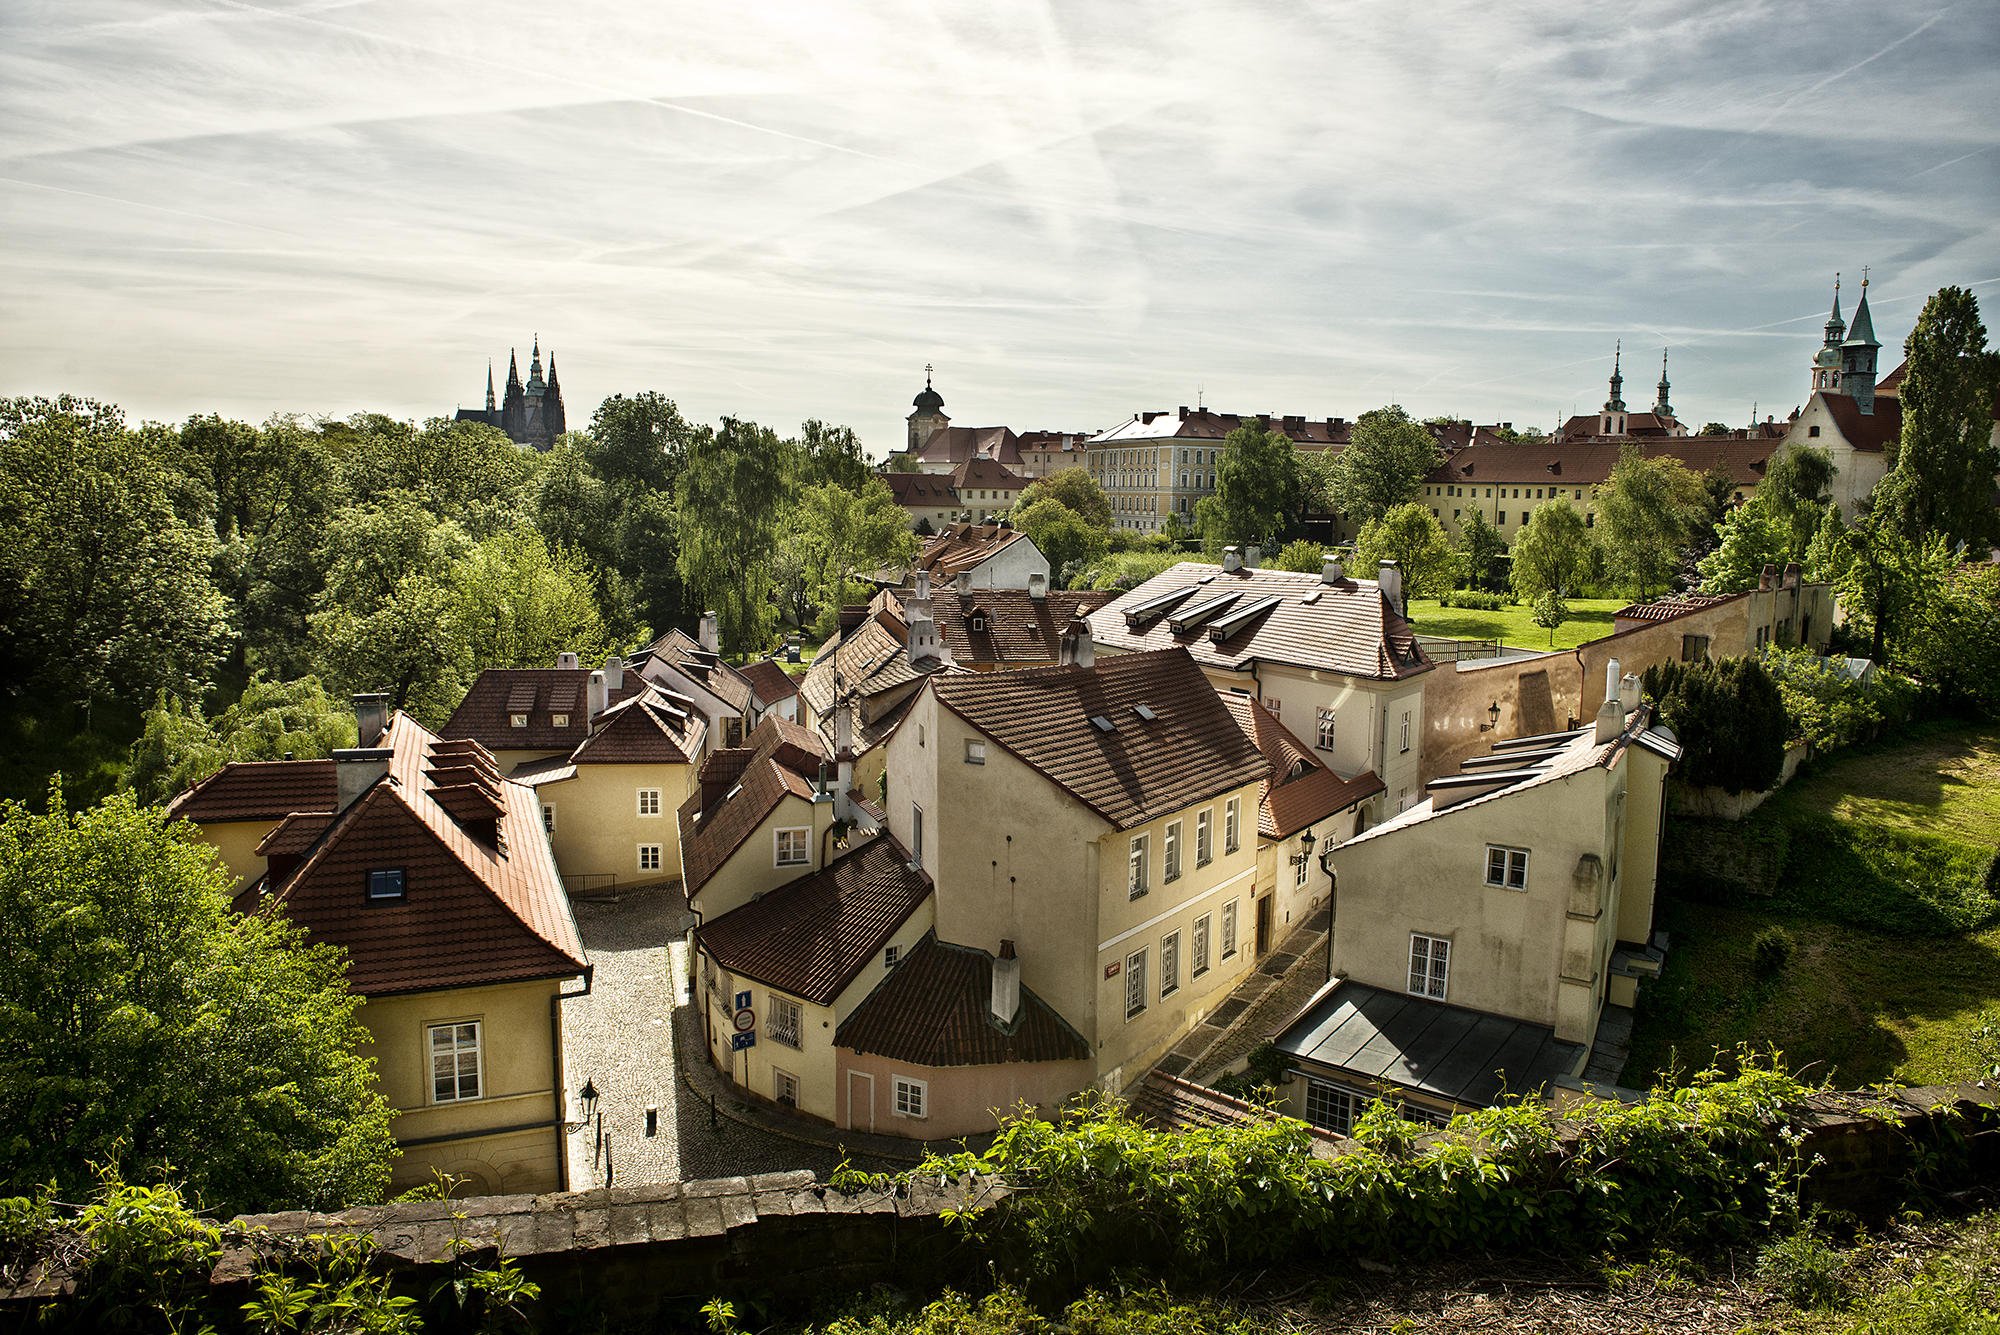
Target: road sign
{"points": [[743, 1001], [738, 1042], [746, 1020]]}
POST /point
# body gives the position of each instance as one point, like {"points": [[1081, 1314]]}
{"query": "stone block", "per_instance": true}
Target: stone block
{"points": [[434, 1240], [555, 1230], [807, 1202], [517, 1234], [593, 1228], [666, 1221], [631, 1223], [715, 1186], [787, 1181], [737, 1211], [704, 1217]]}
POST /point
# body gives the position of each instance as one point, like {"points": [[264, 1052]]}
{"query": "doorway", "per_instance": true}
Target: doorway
{"points": [[860, 1101], [1264, 924]]}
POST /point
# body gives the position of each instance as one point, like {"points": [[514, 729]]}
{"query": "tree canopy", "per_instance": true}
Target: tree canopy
{"points": [[1063, 536], [1482, 547], [733, 495], [1257, 487], [1385, 463], [1650, 508], [1729, 718], [1076, 489], [1551, 552], [1941, 480], [179, 748], [1411, 536], [1751, 538]]}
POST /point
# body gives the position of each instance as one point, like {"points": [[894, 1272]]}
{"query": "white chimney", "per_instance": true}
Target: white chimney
{"points": [[371, 719], [1076, 648], [354, 770], [1628, 693], [843, 736], [598, 696], [568, 662], [964, 581], [711, 640], [1038, 586], [923, 589], [1006, 984], [1330, 570], [1389, 576], [1253, 557], [1610, 720], [614, 674], [1611, 676], [1230, 560]]}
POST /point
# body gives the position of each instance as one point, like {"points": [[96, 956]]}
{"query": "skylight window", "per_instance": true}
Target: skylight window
{"points": [[732, 792], [1102, 724], [1144, 712]]}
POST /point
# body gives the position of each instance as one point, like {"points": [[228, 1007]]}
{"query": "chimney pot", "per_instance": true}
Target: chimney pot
{"points": [[1611, 677], [1768, 580], [567, 662], [598, 695], [614, 674], [1330, 569], [1230, 560], [1389, 578], [371, 718], [1628, 693], [1038, 586]]}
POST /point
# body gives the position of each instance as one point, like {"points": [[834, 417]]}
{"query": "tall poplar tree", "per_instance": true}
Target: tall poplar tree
{"points": [[1942, 481]]}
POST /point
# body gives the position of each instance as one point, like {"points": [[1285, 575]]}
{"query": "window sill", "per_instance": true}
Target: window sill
{"points": [[1133, 1015], [1136, 894], [1203, 863], [1233, 848], [784, 1043], [1170, 878]]}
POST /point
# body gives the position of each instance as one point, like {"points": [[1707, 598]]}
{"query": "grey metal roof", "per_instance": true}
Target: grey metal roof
{"points": [[1448, 1051]]}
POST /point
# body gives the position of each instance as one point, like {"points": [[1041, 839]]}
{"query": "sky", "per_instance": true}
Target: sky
{"points": [[1075, 211]]}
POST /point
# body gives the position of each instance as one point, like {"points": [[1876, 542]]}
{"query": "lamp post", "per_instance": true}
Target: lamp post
{"points": [[588, 1097]]}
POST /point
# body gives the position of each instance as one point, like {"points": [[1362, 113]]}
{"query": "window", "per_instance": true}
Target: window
{"points": [[518, 720], [649, 801], [920, 734], [785, 1087], [975, 752], [1332, 1108], [1499, 516], [454, 1061], [385, 884], [1406, 729], [891, 956], [1170, 964], [1590, 520], [732, 732], [1172, 865], [1136, 867], [1299, 869], [781, 1021], [1275, 706], [548, 818], [1812, 431], [910, 1095], [1325, 742], [794, 847], [916, 835], [1694, 648], [1198, 954], [1135, 984], [559, 720], [649, 857], [1430, 960], [1231, 824], [1203, 849], [1229, 929], [977, 623], [1507, 867]]}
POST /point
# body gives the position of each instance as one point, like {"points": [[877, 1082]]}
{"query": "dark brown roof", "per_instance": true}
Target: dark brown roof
{"points": [[1586, 463], [706, 669], [1346, 627], [258, 790], [812, 936], [872, 659], [771, 683], [1666, 609], [963, 546], [935, 1009], [956, 444], [1020, 631], [780, 759], [1138, 770], [920, 489], [484, 715], [1892, 383], [1206, 424], [295, 833], [1169, 1103], [643, 730], [1288, 803], [476, 911], [986, 473], [1871, 432]]}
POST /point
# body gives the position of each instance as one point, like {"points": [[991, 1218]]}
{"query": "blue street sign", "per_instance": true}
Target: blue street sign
{"points": [[743, 1001], [738, 1042]]}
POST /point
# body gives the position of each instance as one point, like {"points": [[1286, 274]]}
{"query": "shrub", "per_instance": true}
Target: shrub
{"points": [[1805, 1268], [1474, 600], [1772, 951], [1730, 720]]}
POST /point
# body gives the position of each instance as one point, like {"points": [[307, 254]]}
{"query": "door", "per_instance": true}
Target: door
{"points": [[1264, 924], [860, 1101]]}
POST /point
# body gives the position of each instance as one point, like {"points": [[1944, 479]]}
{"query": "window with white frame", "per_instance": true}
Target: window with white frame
{"points": [[649, 801], [649, 857], [1170, 867], [1135, 984], [454, 1061], [1204, 850], [1299, 868], [1135, 865], [1229, 929], [1198, 950], [975, 752], [1507, 867], [1332, 1108], [1325, 742], [1170, 964], [912, 1097], [785, 1087], [794, 847], [517, 720], [559, 720], [1406, 729], [891, 956], [549, 817], [1274, 706], [1232, 825], [1430, 962], [781, 1023]]}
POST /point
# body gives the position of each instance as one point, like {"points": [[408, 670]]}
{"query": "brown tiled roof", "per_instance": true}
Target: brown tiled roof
{"points": [[1020, 631], [1286, 803], [1892, 383], [547, 770], [1666, 609], [872, 660], [540, 693], [1206, 424], [920, 490], [1871, 432], [1169, 1103], [963, 546], [476, 911], [643, 730], [1587, 463], [1346, 627], [771, 683], [295, 833], [676, 650], [956, 444], [989, 473], [780, 759], [936, 1009], [1140, 769], [812, 936], [258, 790]]}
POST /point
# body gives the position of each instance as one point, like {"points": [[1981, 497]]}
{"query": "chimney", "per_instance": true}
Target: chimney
{"points": [[1610, 720], [1184, 412], [1628, 693], [1768, 580], [1007, 979], [1330, 569], [1389, 576], [567, 662], [357, 768], [963, 581], [1611, 680], [371, 718], [598, 695], [923, 589], [1038, 586], [614, 675], [1230, 560], [1075, 648], [1253, 557], [710, 639], [1791, 575], [843, 728]]}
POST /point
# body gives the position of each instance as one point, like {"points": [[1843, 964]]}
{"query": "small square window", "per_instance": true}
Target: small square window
{"points": [[1507, 867], [892, 956], [649, 857], [975, 752], [385, 884], [559, 720], [518, 720], [911, 1097], [548, 817], [784, 1088], [794, 847], [649, 801]]}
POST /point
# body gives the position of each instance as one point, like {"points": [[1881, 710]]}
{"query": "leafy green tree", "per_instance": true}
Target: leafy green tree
{"points": [[1550, 612], [1076, 489], [831, 455], [1797, 490], [1257, 488], [1651, 508], [1300, 556], [521, 604], [1941, 479], [1062, 535], [641, 443], [1412, 537], [150, 1028], [1551, 552], [843, 533], [467, 472], [273, 719], [1482, 547], [901, 461], [1386, 460], [1729, 718], [1714, 429], [732, 496], [1751, 539], [1956, 650]]}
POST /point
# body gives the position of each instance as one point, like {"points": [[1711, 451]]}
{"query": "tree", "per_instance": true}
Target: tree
{"points": [[520, 604], [1412, 537], [1941, 479], [732, 496], [1304, 557], [1386, 460], [1714, 429], [270, 721], [843, 533], [831, 454], [1257, 485], [1128, 570], [1797, 489], [1729, 718], [1551, 552], [1651, 508], [1062, 535], [1076, 489], [642, 442], [1550, 613], [901, 461], [1751, 539], [150, 1028], [1482, 547]]}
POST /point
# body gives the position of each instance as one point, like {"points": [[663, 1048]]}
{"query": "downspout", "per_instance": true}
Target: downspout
{"points": [[556, 1073]]}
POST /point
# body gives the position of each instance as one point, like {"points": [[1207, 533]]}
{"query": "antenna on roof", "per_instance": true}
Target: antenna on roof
{"points": [[1199, 390]]}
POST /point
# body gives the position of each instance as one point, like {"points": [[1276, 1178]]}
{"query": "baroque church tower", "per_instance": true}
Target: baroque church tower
{"points": [[929, 416]]}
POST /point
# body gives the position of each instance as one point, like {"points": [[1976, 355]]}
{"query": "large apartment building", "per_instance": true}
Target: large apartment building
{"points": [[1158, 463]]}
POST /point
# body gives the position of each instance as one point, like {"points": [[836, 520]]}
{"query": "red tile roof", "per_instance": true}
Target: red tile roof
{"points": [[920, 490], [1140, 769], [1892, 383], [771, 683], [871, 661], [990, 473], [963, 546], [258, 790], [936, 1009], [780, 759], [1666, 609], [685, 655], [1019, 631], [1300, 790], [295, 833], [1871, 432], [813, 936], [477, 909], [644, 730], [1346, 627], [1589, 462], [956, 444], [485, 714]]}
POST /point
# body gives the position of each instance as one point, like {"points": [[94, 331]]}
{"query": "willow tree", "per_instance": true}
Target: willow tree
{"points": [[732, 495]]}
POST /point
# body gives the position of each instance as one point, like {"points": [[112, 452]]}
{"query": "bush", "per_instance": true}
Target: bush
{"points": [[1474, 600], [1729, 718], [1772, 951], [1805, 1268]]}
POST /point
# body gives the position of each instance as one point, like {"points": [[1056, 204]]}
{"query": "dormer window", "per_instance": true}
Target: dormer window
{"points": [[385, 885], [977, 622], [559, 720], [518, 720]]}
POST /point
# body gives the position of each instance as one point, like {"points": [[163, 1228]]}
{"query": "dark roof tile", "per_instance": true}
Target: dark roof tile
{"points": [[258, 790], [935, 1009]]}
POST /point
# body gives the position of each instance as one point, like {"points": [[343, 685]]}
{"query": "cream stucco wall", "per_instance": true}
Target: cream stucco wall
{"points": [[1855, 472], [517, 1077], [236, 846], [960, 1100], [753, 868], [598, 828]]}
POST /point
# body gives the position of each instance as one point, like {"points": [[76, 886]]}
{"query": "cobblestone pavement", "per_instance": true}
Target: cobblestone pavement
{"points": [[1283, 981]]}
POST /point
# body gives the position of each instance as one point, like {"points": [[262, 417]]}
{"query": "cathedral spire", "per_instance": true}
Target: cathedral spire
{"points": [[1616, 403], [535, 368], [1836, 328], [552, 368], [489, 385]]}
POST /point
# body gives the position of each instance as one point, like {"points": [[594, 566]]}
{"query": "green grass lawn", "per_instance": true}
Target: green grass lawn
{"points": [[1857, 1005], [1590, 618]]}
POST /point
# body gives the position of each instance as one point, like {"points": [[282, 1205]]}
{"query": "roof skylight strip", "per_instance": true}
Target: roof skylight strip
{"points": [[1155, 605], [1236, 620], [1194, 616]]}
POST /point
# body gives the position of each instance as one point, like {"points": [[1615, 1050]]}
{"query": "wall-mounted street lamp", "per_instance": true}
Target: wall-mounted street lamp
{"points": [[1306, 842], [588, 1097], [1492, 713]]}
